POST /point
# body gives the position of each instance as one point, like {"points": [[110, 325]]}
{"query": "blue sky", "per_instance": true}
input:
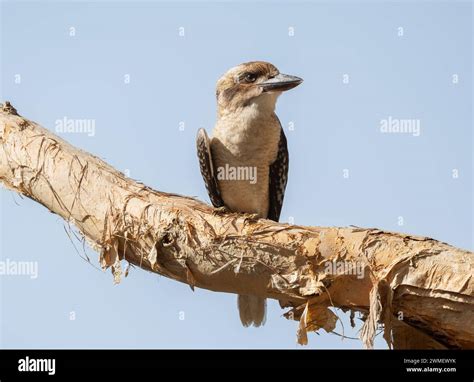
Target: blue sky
{"points": [[363, 63]]}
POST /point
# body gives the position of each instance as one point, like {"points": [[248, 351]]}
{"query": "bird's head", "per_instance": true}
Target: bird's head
{"points": [[256, 82]]}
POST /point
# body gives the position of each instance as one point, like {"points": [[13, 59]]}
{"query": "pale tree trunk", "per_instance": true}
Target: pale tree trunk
{"points": [[419, 289]]}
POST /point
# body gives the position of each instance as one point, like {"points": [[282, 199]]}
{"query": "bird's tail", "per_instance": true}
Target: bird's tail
{"points": [[252, 310]]}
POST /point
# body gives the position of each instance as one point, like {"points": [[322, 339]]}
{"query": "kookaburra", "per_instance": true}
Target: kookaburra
{"points": [[245, 162]]}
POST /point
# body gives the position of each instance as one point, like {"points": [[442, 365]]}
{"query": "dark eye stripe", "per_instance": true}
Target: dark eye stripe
{"points": [[243, 77], [247, 77]]}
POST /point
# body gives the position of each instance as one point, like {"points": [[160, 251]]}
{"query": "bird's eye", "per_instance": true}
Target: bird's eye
{"points": [[250, 77]]}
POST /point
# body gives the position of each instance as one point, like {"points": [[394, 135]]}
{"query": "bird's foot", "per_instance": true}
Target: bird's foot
{"points": [[252, 217], [221, 210]]}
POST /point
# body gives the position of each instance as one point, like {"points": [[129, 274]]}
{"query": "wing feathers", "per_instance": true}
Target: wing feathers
{"points": [[278, 179], [207, 168]]}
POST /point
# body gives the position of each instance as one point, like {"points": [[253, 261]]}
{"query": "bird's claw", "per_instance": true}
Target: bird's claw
{"points": [[252, 217], [221, 210]]}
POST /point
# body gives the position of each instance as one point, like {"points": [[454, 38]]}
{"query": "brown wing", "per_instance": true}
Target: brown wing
{"points": [[278, 179], [207, 168]]}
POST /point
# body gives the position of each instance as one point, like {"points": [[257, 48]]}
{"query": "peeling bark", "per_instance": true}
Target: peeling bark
{"points": [[419, 289]]}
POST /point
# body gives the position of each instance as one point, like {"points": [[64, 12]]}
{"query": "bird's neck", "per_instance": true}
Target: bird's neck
{"points": [[261, 107]]}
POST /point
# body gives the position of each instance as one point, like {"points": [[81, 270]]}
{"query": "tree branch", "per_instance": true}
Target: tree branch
{"points": [[420, 289]]}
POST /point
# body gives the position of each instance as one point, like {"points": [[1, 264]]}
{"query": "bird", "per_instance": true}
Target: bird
{"points": [[244, 163]]}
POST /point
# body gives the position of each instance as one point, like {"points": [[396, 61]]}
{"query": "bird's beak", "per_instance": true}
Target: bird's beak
{"points": [[280, 83]]}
